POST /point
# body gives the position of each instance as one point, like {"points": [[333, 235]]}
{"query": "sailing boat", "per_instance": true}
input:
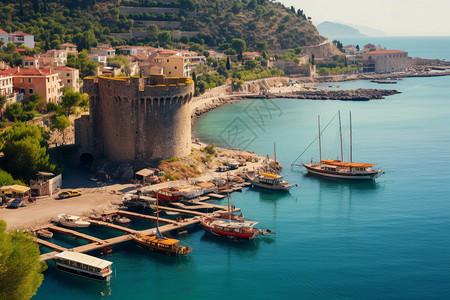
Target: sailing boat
{"points": [[271, 181], [234, 228], [339, 168], [159, 243]]}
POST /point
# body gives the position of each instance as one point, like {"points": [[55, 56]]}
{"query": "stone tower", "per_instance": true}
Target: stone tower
{"points": [[136, 118]]}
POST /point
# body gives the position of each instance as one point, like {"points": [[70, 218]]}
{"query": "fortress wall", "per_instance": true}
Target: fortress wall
{"points": [[138, 121]]}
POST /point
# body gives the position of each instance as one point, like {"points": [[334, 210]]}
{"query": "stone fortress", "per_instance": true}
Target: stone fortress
{"points": [[135, 118]]}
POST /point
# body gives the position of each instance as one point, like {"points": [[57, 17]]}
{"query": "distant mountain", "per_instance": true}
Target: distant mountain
{"points": [[367, 30], [330, 29]]}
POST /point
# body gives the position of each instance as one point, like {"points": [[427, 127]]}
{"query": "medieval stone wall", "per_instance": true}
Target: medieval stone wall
{"points": [[139, 118]]}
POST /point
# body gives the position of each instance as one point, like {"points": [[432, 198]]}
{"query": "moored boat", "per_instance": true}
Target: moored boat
{"points": [[122, 220], [167, 194], [167, 246], [83, 265], [72, 221], [45, 233], [338, 168], [230, 228]]}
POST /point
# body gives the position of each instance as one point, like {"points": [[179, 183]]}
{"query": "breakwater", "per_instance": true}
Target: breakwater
{"points": [[343, 95]]}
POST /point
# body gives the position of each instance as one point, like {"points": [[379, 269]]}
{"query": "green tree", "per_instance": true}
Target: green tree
{"points": [[228, 65], [236, 8], [238, 45], [152, 31], [87, 66], [60, 123], [20, 265], [24, 147], [164, 37], [69, 100]]}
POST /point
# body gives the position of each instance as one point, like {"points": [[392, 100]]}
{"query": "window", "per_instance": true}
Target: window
{"points": [[68, 75], [68, 80], [167, 60], [30, 91], [29, 80], [175, 67]]}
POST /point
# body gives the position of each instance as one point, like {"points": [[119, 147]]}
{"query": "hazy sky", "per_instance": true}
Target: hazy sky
{"points": [[394, 17]]}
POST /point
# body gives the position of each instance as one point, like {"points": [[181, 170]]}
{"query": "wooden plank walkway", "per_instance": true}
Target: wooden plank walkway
{"points": [[113, 226], [217, 196], [143, 216], [75, 234], [49, 245], [220, 207]]}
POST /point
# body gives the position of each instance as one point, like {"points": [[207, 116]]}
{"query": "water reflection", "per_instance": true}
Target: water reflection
{"points": [[245, 248]]}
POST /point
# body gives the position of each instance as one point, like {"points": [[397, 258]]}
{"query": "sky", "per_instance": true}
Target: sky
{"points": [[393, 17]]}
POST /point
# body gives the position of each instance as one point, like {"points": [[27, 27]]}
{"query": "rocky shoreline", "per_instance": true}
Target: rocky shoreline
{"points": [[343, 95]]}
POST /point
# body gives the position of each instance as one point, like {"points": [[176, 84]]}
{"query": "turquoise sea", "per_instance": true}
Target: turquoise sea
{"points": [[387, 239]]}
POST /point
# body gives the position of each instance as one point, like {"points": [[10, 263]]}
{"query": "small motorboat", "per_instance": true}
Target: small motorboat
{"points": [[122, 220], [72, 221], [45, 233]]}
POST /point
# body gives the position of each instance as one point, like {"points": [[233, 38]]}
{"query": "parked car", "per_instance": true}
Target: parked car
{"points": [[16, 203], [68, 194]]}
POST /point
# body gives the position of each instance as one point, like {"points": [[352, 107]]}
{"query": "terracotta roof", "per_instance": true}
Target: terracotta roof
{"points": [[10, 71], [64, 68], [29, 58], [20, 33], [2, 31], [35, 72], [385, 52], [68, 45]]}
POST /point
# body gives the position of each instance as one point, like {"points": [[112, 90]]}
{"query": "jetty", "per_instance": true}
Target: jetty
{"points": [[99, 244]]}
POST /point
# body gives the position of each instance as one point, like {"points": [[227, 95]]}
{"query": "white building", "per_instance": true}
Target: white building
{"points": [[21, 38], [69, 77]]}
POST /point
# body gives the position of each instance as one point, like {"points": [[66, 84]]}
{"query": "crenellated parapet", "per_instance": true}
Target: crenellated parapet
{"points": [[139, 118]]}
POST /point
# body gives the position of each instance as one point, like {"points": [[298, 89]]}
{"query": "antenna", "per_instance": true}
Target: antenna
{"points": [[340, 135], [320, 144]]}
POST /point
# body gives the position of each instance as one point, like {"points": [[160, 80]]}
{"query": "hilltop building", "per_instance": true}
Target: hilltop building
{"points": [[69, 48], [53, 58], [135, 118], [21, 38], [69, 77], [30, 62], [381, 61]]}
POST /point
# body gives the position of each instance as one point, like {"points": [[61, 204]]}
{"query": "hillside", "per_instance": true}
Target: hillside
{"points": [[88, 22], [330, 29]]}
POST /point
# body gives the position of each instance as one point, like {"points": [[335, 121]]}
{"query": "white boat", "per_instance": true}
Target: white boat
{"points": [[340, 169], [83, 265], [72, 221]]}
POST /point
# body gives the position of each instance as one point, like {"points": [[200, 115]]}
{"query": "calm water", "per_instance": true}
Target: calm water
{"points": [[388, 239]]}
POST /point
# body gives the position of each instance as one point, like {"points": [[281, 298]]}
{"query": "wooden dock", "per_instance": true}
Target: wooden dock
{"points": [[217, 196], [96, 243]]}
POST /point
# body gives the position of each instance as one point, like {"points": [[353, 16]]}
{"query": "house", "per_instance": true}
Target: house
{"points": [[381, 61], [4, 37], [53, 58], [103, 50], [349, 49], [173, 66], [46, 183], [31, 81], [69, 48], [30, 62], [250, 55], [6, 88], [69, 77], [21, 38]]}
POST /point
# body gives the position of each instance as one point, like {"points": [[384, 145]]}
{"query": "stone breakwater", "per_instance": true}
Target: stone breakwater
{"points": [[343, 95]]}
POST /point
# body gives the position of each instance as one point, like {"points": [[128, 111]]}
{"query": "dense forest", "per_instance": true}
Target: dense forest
{"points": [[89, 22]]}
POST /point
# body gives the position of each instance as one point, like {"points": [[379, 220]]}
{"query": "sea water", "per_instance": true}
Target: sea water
{"points": [[383, 239]]}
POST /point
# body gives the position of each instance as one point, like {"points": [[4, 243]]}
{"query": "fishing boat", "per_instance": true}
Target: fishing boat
{"points": [[45, 233], [159, 243], [83, 265], [232, 227], [72, 221], [271, 181], [167, 194], [340, 169]]}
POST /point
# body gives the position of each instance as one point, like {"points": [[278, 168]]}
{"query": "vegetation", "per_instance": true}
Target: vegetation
{"points": [[7, 179], [337, 65], [20, 265], [87, 23], [25, 151]]}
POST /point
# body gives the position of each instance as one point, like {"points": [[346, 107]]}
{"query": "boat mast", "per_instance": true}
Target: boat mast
{"points": [[351, 146], [275, 155], [340, 135], [157, 211], [320, 144], [228, 198]]}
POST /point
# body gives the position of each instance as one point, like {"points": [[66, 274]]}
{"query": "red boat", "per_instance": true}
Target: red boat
{"points": [[168, 195], [231, 228]]}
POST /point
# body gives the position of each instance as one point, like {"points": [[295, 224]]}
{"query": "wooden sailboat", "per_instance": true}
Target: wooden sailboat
{"points": [[232, 227], [159, 243], [271, 181], [340, 169]]}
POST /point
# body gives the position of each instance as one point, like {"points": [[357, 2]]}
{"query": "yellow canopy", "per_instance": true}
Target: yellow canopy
{"points": [[18, 189], [346, 164], [270, 175]]}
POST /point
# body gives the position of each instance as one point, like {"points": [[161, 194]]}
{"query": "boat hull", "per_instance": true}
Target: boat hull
{"points": [[74, 224], [82, 273], [236, 235], [339, 175], [163, 250], [269, 186]]}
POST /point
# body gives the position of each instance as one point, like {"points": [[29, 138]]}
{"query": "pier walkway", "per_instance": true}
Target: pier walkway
{"points": [[75, 234]]}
